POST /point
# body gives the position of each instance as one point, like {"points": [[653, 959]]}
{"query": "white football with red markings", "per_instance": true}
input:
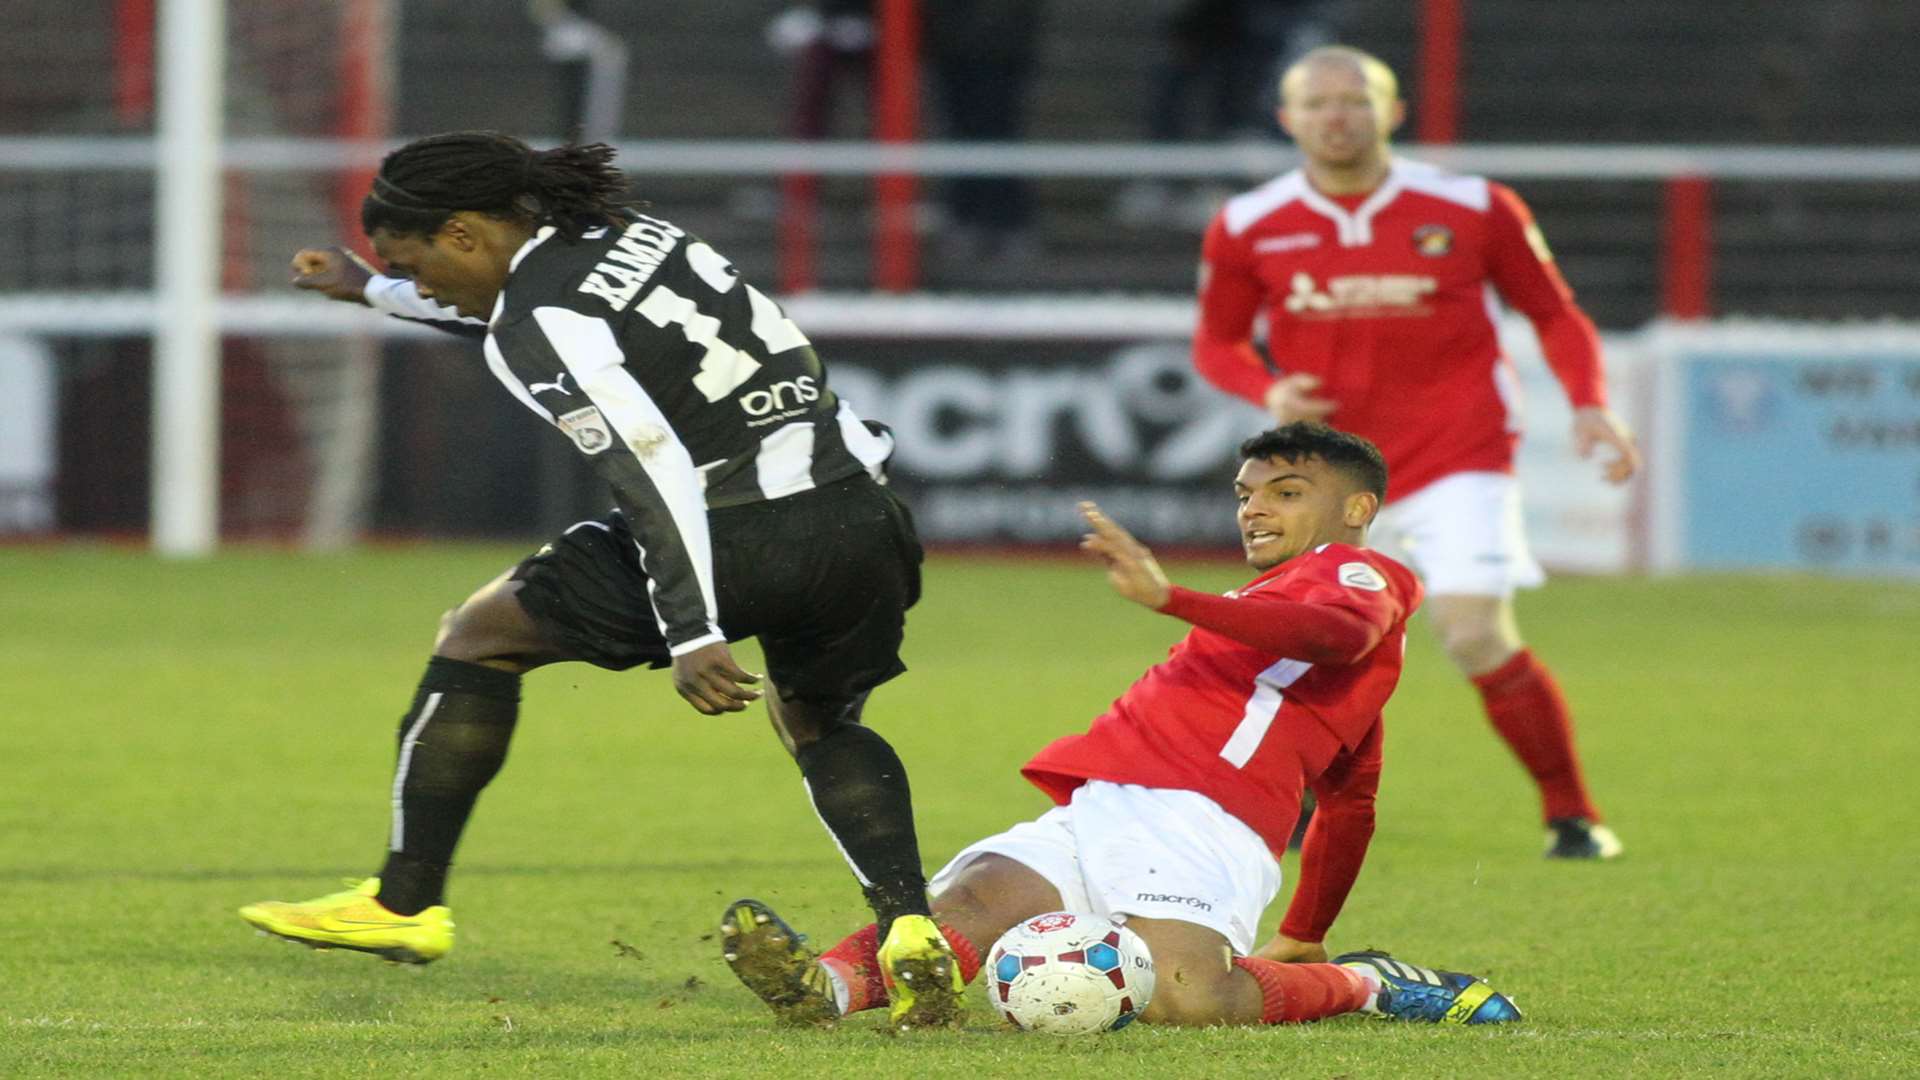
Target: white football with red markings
{"points": [[1068, 973]]}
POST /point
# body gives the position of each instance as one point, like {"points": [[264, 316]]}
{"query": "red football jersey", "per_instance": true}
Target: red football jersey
{"points": [[1247, 728], [1389, 299]]}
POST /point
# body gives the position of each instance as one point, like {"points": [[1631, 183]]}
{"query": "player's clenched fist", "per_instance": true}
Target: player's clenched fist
{"points": [[334, 272], [1291, 398], [1595, 427], [1131, 568]]}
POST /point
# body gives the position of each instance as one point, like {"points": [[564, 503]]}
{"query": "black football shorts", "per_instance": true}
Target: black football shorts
{"points": [[823, 578]]}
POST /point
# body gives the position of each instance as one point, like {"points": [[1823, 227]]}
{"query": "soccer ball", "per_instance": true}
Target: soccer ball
{"points": [[1066, 973]]}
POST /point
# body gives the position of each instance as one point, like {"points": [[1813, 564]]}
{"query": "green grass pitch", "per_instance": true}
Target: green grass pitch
{"points": [[177, 739]]}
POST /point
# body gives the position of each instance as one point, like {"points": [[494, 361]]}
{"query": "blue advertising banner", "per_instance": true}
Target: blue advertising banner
{"points": [[1801, 460]]}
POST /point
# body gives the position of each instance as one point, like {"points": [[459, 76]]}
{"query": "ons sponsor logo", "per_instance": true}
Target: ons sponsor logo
{"points": [[782, 399], [1361, 294]]}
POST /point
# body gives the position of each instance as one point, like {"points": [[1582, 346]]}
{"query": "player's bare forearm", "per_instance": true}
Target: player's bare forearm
{"points": [[1131, 569], [333, 272]]}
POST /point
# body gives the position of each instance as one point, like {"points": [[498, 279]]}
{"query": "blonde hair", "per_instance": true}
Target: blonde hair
{"points": [[1380, 77]]}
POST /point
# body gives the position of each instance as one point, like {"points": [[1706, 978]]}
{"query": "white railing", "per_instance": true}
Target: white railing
{"points": [[864, 315], [1036, 159]]}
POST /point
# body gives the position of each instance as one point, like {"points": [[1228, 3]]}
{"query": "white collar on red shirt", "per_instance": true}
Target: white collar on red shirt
{"points": [[1355, 228], [1270, 576]]}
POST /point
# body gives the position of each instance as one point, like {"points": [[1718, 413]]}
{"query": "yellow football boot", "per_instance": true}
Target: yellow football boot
{"points": [[921, 973], [775, 963], [355, 920]]}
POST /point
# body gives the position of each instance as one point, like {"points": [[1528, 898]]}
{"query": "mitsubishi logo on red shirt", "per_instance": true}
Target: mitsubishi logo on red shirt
{"points": [[1360, 294]]}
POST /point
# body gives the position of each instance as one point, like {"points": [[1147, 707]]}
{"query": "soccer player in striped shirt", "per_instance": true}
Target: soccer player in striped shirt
{"points": [[749, 504], [1173, 807], [1378, 277]]}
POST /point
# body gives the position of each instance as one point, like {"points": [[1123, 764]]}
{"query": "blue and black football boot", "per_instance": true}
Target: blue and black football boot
{"points": [[1411, 992]]}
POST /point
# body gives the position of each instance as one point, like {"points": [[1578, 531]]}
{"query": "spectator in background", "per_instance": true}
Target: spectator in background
{"points": [[591, 61], [831, 45], [831, 42], [1230, 51], [1214, 82], [981, 54]]}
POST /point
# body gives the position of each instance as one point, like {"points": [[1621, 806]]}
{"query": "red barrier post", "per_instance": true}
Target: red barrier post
{"points": [[1443, 26], [365, 79], [896, 101], [133, 62], [1686, 248]]}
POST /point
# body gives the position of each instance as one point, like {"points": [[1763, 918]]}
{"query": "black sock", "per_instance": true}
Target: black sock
{"points": [[409, 885], [859, 788], [452, 742]]}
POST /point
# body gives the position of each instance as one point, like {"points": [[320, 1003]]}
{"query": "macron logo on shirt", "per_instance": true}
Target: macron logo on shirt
{"points": [[1290, 242]]}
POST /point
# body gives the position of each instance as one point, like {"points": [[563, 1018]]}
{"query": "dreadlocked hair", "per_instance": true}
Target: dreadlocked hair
{"points": [[1359, 459], [573, 187]]}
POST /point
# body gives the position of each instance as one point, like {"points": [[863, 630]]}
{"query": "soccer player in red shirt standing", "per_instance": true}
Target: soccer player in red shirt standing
{"points": [[1377, 277], [1172, 807]]}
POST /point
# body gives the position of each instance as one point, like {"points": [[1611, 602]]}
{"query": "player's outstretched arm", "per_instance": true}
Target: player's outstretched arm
{"points": [[1317, 633], [1595, 426], [339, 274], [333, 272], [1131, 569]]}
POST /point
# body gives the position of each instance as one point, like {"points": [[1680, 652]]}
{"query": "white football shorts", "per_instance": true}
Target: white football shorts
{"points": [[1122, 849], [1463, 534]]}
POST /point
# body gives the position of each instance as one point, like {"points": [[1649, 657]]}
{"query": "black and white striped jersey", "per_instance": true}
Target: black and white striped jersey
{"points": [[685, 387]]}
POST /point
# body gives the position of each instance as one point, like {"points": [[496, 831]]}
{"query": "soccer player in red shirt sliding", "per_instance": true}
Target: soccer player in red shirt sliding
{"points": [[1173, 806], [1377, 277]]}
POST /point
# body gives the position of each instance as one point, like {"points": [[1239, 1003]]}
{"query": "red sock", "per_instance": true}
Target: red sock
{"points": [[964, 952], [1296, 993], [1526, 708], [857, 961]]}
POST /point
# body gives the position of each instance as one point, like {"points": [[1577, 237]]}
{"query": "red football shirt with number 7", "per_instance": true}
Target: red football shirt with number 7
{"points": [[1227, 716]]}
